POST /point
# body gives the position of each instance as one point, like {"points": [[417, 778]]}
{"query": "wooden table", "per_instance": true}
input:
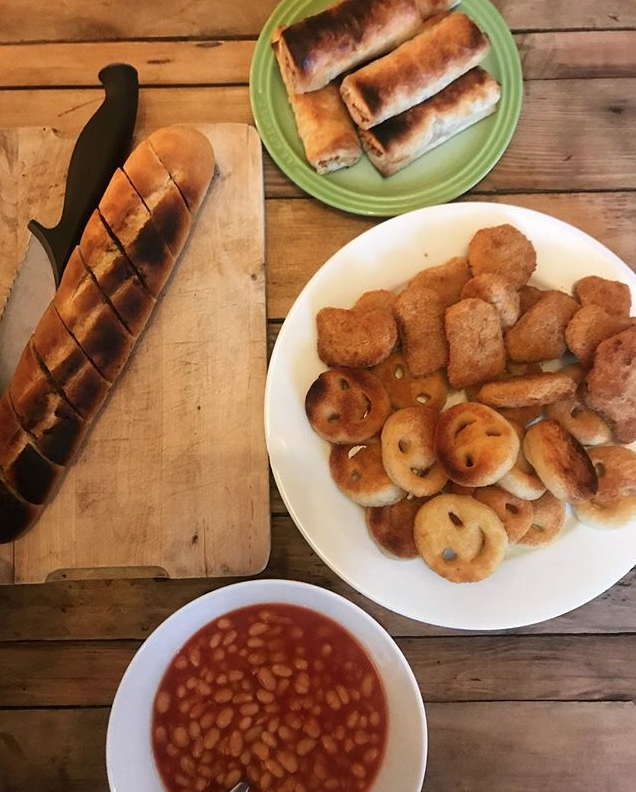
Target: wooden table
{"points": [[547, 707]]}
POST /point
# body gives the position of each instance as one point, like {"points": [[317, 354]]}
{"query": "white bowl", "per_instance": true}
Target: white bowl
{"points": [[129, 757]]}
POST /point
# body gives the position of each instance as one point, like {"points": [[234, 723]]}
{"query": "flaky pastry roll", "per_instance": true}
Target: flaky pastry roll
{"points": [[318, 48], [449, 46], [395, 143]]}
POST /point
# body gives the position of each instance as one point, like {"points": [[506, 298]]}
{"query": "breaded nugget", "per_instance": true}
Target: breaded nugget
{"points": [[347, 405], [408, 451], [540, 332], [515, 513], [474, 444], [460, 538], [588, 327], [447, 280], [610, 386], [405, 390], [475, 344], [519, 415], [547, 521], [497, 291], [360, 475], [614, 505], [378, 298], [505, 250], [420, 320], [391, 527], [527, 390], [355, 338], [615, 297], [560, 461], [582, 423], [529, 296]]}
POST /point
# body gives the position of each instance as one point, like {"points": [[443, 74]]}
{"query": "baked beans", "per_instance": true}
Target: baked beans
{"points": [[275, 694]]}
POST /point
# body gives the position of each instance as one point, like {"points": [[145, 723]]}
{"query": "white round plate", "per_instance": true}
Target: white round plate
{"points": [[531, 585], [129, 758]]}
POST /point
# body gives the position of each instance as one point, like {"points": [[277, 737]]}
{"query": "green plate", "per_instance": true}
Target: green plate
{"points": [[436, 177]]}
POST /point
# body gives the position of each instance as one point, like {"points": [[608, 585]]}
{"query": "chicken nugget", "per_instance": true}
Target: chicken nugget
{"points": [[355, 338], [420, 320], [610, 386], [529, 296], [540, 332], [520, 415], [527, 390], [497, 291], [475, 342], [378, 298], [447, 280], [615, 297], [505, 250], [588, 327]]}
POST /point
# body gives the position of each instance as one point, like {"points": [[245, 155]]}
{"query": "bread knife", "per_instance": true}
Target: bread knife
{"points": [[100, 149]]}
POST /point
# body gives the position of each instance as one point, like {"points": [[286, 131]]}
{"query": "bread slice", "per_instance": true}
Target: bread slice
{"points": [[475, 343], [15, 513]]}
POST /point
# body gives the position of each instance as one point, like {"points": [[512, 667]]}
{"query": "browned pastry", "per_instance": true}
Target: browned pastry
{"points": [[405, 390], [320, 47], [391, 527], [401, 139], [583, 424], [347, 405], [360, 475], [614, 504], [132, 226], [475, 344], [497, 291], [27, 472], [447, 47], [521, 480], [446, 280], [356, 337], [420, 319], [504, 250], [540, 332], [527, 390], [56, 429], [515, 513], [325, 128], [588, 327], [610, 387], [115, 275], [475, 445], [69, 369], [457, 489], [91, 320], [85, 336], [408, 451], [613, 296], [560, 461], [547, 521], [459, 538]]}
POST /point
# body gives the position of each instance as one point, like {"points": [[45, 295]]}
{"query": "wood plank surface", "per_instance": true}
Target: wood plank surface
{"points": [[69, 20], [499, 747], [575, 133], [479, 668], [544, 55]]}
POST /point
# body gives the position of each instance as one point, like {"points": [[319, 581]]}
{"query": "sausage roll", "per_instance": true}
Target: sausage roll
{"points": [[395, 143], [317, 49], [449, 46]]}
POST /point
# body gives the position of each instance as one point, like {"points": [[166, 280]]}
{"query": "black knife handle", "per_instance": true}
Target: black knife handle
{"points": [[100, 149]]}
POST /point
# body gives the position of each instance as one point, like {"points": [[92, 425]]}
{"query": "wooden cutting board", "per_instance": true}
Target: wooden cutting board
{"points": [[173, 478]]}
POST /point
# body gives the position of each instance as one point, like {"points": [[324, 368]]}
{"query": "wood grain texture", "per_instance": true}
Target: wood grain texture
{"points": [[544, 55], [165, 444], [499, 747], [70, 20], [568, 668], [575, 133], [131, 609]]}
